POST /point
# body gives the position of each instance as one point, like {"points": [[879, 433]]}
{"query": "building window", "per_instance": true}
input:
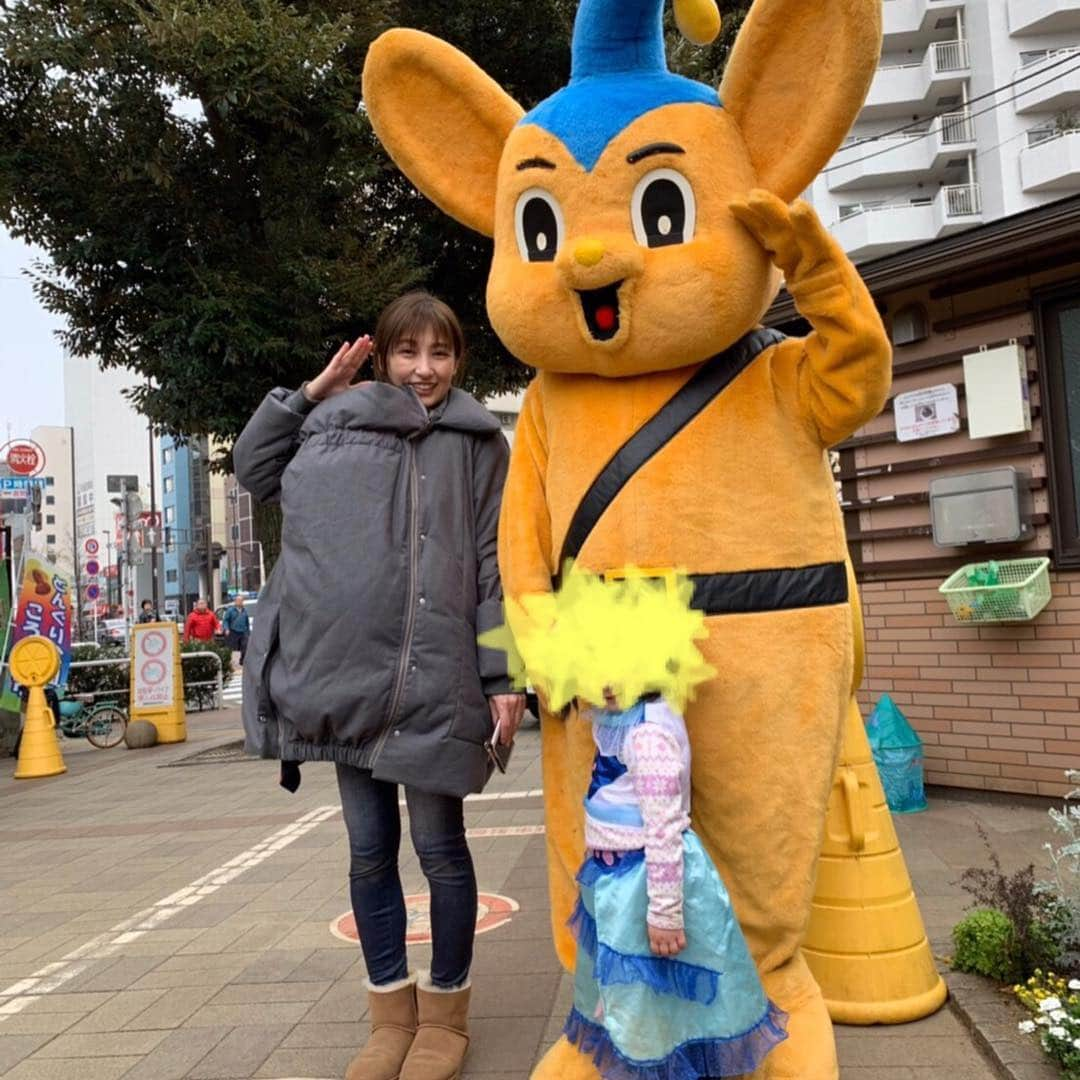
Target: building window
{"points": [[168, 485], [170, 515], [167, 455], [49, 481], [1059, 328], [50, 519], [171, 576], [50, 538], [50, 500]]}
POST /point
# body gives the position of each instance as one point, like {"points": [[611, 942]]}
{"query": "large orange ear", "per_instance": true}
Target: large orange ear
{"points": [[442, 120], [796, 80]]}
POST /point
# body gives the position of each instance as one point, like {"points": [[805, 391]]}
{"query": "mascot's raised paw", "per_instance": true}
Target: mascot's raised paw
{"points": [[793, 235]]}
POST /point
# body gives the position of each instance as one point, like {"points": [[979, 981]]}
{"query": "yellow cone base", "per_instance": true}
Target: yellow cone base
{"points": [[170, 730], [866, 944], [39, 751]]}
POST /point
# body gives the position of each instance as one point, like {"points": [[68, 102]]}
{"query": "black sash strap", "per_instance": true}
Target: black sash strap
{"points": [[714, 594]]}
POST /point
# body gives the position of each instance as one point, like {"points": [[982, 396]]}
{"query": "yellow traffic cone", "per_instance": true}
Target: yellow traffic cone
{"points": [[35, 661], [866, 944]]}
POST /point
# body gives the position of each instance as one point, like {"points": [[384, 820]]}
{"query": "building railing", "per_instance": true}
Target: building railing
{"points": [[1040, 56], [962, 200], [951, 56], [957, 127]]}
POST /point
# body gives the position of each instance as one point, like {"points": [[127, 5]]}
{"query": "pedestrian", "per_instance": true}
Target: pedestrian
{"points": [[365, 652], [147, 614], [202, 624], [664, 985], [237, 626]]}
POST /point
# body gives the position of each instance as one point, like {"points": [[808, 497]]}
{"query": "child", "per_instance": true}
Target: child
{"points": [[665, 988]]}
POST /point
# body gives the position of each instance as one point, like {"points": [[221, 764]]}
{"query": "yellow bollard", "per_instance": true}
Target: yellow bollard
{"points": [[157, 680], [35, 661], [865, 943]]}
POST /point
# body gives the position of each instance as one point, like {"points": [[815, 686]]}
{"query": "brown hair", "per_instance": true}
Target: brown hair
{"points": [[410, 315]]}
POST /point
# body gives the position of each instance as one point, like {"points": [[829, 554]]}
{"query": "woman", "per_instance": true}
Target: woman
{"points": [[365, 652]]}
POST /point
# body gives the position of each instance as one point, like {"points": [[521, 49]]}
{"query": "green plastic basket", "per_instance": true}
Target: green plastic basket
{"points": [[1023, 592]]}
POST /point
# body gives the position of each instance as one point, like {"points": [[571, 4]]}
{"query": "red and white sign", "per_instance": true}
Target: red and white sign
{"points": [[147, 520], [24, 457], [91, 546], [152, 666]]}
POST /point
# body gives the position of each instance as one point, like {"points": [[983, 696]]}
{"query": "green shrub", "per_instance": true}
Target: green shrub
{"points": [[986, 944]]}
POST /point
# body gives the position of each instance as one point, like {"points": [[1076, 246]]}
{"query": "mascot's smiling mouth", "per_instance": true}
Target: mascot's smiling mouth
{"points": [[601, 309]]}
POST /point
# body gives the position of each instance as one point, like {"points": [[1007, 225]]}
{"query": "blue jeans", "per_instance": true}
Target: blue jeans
{"points": [[437, 825]]}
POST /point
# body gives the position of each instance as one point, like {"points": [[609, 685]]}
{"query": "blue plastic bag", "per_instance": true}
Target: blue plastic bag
{"points": [[898, 754]]}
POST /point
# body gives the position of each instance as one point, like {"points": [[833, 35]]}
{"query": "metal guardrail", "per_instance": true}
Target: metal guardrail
{"points": [[217, 682]]}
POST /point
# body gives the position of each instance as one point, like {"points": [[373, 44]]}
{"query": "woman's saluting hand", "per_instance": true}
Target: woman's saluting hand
{"points": [[338, 375]]}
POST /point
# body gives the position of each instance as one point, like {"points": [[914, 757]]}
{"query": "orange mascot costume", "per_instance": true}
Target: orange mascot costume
{"points": [[642, 223]]}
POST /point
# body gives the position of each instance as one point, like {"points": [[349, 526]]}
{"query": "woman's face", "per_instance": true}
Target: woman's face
{"points": [[426, 363]]}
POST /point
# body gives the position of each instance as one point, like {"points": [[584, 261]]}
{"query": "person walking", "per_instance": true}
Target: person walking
{"points": [[202, 624], [237, 624], [366, 654]]}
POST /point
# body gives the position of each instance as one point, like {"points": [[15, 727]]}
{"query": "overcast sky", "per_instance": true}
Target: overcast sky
{"points": [[31, 360]]}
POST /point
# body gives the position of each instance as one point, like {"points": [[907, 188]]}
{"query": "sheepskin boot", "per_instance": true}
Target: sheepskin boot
{"points": [[442, 1037], [392, 1012]]}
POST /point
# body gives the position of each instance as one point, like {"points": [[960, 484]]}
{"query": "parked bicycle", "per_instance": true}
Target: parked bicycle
{"points": [[103, 725]]}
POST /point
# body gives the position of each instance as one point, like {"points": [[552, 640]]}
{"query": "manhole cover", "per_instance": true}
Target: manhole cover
{"points": [[225, 754], [492, 911]]}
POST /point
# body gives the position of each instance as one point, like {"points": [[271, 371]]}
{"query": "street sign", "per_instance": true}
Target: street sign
{"points": [[91, 547], [11, 486], [92, 592], [93, 567], [24, 457], [153, 520], [117, 483]]}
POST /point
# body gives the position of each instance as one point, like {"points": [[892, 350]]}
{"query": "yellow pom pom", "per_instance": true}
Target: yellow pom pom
{"points": [[698, 20], [634, 635]]}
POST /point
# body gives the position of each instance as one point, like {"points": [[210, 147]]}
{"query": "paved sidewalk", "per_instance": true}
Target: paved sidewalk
{"points": [[175, 922]]}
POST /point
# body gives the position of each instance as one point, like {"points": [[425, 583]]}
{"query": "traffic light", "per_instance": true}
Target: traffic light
{"points": [[35, 506]]}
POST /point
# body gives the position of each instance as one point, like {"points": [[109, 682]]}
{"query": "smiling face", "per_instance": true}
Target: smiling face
{"points": [[635, 266], [425, 361]]}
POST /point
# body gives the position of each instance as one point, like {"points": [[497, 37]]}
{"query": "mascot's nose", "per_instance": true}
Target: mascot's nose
{"points": [[588, 252]]}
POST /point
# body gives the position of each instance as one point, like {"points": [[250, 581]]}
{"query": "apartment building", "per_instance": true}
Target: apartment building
{"points": [[973, 115]]}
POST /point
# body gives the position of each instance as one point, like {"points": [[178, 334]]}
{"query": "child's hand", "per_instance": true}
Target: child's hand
{"points": [[666, 942]]}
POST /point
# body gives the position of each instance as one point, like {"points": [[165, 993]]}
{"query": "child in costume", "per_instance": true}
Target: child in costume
{"points": [[664, 987]]}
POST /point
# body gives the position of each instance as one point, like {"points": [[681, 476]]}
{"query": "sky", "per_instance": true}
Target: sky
{"points": [[31, 359]]}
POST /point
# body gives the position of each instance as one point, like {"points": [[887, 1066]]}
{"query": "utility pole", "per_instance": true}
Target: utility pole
{"points": [[75, 553], [234, 498], [153, 528], [108, 567]]}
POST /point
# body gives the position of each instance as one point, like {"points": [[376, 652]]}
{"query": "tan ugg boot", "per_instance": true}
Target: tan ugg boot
{"points": [[392, 1012], [442, 1037]]}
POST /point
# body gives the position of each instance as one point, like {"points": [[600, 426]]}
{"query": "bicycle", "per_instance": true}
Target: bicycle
{"points": [[103, 725]]}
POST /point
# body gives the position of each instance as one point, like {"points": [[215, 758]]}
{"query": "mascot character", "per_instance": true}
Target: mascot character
{"points": [[642, 223]]}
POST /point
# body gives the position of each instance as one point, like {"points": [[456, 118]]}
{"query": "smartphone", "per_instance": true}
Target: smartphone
{"points": [[495, 750]]}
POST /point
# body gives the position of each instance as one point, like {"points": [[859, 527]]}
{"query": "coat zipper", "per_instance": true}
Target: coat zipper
{"points": [[410, 619]]}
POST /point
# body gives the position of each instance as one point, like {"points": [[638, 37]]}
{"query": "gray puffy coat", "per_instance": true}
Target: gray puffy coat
{"points": [[364, 651]]}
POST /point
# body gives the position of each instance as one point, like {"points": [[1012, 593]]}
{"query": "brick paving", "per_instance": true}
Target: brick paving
{"points": [[165, 923]]}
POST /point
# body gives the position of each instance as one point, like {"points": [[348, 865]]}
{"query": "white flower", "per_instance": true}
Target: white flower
{"points": [[1042, 1020], [1026, 1026], [1058, 1032], [1076, 1043], [1074, 984], [1049, 1004], [1059, 1015]]}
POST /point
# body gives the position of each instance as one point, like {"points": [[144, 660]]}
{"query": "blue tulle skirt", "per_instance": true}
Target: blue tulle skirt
{"points": [[643, 1017]]}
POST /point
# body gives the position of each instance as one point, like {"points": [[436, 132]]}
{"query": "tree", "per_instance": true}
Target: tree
{"points": [[216, 212]]}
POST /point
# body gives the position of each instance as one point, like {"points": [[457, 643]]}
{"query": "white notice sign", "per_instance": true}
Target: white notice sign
{"points": [[153, 666], [922, 414]]}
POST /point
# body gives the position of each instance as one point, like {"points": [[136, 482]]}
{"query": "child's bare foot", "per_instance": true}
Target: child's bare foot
{"points": [[666, 942]]}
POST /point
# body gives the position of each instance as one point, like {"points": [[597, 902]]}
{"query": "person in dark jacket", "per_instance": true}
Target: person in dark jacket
{"points": [[365, 650], [237, 624]]}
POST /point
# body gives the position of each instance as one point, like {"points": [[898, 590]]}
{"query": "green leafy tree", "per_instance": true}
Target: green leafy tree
{"points": [[216, 213]]}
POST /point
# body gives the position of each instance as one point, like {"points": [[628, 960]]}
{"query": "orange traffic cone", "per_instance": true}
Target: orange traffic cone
{"points": [[35, 661], [866, 944]]}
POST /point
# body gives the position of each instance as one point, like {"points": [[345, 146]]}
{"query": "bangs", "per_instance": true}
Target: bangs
{"points": [[407, 318]]}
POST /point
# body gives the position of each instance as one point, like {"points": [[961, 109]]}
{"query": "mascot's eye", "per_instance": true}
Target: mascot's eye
{"points": [[663, 209], [538, 222]]}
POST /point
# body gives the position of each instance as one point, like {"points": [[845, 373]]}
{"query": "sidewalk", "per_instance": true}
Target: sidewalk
{"points": [[165, 922]]}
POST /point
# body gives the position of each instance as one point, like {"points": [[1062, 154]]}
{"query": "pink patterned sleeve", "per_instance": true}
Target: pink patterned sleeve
{"points": [[654, 764]]}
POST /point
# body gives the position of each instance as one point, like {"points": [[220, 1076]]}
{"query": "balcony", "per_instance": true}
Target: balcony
{"points": [[907, 24], [1050, 84], [902, 158], [1042, 16], [867, 231], [1052, 165], [899, 89]]}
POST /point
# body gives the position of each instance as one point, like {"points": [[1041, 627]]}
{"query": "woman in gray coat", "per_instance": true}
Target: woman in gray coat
{"points": [[365, 649]]}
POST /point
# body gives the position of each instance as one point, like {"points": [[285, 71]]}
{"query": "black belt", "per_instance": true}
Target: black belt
{"points": [[768, 590]]}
